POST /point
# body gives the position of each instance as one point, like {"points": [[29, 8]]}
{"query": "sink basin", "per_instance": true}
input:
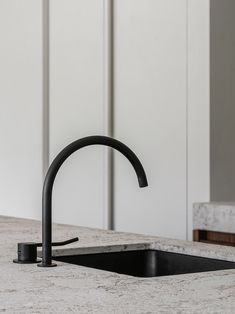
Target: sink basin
{"points": [[147, 263]]}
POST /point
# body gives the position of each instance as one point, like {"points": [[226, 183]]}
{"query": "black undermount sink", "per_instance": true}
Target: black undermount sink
{"points": [[147, 263]]}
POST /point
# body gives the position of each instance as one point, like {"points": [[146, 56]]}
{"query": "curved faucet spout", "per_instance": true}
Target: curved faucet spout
{"points": [[50, 178]]}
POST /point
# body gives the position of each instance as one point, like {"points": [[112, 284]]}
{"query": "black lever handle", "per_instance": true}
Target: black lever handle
{"points": [[60, 243], [27, 251]]}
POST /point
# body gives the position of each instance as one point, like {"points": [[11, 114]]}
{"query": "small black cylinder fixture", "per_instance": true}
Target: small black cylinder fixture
{"points": [[27, 253]]}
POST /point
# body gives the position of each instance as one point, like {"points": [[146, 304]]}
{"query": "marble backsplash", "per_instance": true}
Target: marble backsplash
{"points": [[214, 216]]}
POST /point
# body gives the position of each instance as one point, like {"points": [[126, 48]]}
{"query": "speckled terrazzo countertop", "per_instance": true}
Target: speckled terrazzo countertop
{"points": [[214, 216], [76, 289]]}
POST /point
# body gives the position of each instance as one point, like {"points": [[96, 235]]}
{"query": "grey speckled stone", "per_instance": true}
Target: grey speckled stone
{"points": [[214, 217], [75, 289]]}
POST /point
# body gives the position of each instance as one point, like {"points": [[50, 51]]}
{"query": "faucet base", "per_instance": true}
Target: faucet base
{"points": [[17, 261], [46, 265]]}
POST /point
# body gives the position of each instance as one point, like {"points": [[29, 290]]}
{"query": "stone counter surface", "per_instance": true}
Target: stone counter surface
{"points": [[76, 289]]}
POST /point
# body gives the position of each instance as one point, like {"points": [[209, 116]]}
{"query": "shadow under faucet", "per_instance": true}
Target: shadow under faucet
{"points": [[50, 178]]}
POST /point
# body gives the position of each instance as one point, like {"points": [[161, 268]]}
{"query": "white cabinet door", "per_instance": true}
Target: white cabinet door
{"points": [[150, 115], [76, 108], [21, 108]]}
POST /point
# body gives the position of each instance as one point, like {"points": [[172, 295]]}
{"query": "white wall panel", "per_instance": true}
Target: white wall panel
{"points": [[150, 114], [20, 108], [161, 101], [76, 108]]}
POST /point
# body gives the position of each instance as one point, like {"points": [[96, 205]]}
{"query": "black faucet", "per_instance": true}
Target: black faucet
{"points": [[27, 252], [51, 174]]}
